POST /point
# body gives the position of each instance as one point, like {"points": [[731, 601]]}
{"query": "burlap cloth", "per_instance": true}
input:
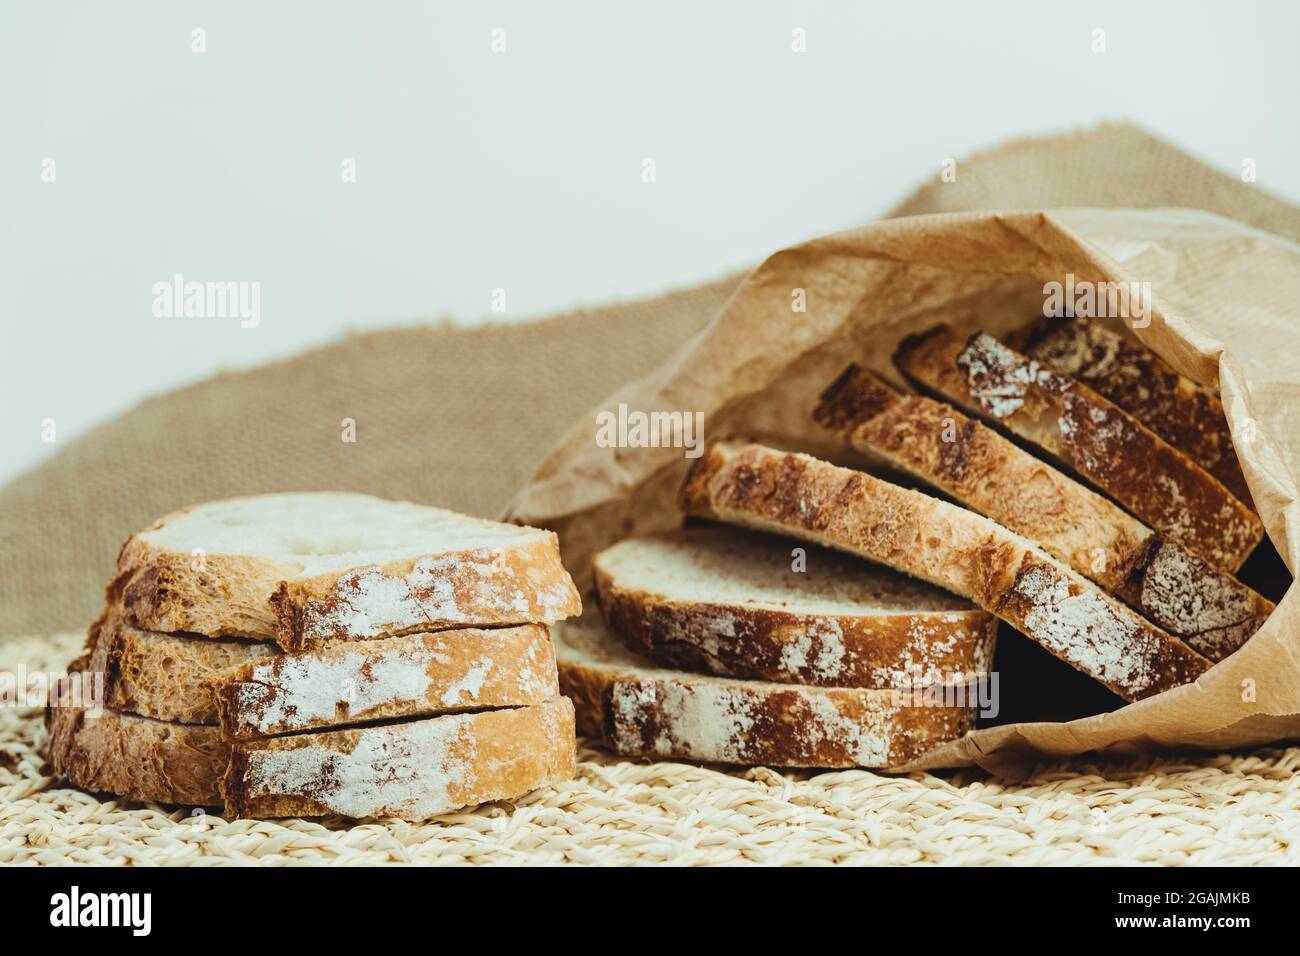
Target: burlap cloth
{"points": [[459, 418]]}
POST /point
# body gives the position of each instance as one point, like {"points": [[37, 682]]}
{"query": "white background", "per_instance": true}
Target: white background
{"points": [[521, 170]]}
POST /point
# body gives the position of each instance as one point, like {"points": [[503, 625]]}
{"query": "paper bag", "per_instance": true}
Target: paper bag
{"points": [[1224, 310]]}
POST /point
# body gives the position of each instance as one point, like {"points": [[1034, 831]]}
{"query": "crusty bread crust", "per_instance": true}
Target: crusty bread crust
{"points": [[137, 757], [412, 675], [790, 727], [171, 677], [736, 640], [976, 466], [253, 689], [1081, 429], [412, 770], [642, 710], [227, 595], [473, 758], [939, 542], [1187, 415]]}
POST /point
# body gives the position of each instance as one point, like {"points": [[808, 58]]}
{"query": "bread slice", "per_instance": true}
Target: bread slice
{"points": [[413, 770], [1077, 427], [1187, 415], [303, 568], [1207, 607], [137, 757], [171, 677], [411, 675], [728, 602], [758, 487], [638, 709], [253, 689], [409, 770]]}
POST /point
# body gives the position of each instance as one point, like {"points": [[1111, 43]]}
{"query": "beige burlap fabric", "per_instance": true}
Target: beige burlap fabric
{"points": [[457, 417]]}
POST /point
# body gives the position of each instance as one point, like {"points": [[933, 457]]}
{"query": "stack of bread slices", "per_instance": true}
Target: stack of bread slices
{"points": [[1081, 491], [316, 654]]}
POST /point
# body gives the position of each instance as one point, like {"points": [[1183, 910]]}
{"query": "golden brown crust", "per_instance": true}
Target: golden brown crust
{"points": [[784, 728], [979, 468], [171, 677], [223, 595], [1186, 415], [641, 710], [948, 546], [499, 754], [407, 676], [855, 397], [735, 640], [1209, 608], [586, 689], [136, 757], [1083, 430], [170, 592], [412, 770], [497, 586], [253, 689]]}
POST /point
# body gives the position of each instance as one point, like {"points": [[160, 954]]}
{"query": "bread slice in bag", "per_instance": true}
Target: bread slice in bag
{"points": [[1073, 425], [758, 487], [980, 469], [741, 604]]}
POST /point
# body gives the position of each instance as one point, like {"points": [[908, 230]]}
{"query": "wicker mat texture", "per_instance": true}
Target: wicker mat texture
{"points": [[1239, 809], [459, 418]]}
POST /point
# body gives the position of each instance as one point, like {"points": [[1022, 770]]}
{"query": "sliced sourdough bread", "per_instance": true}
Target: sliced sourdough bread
{"points": [[171, 677], [1084, 431], [303, 568], [970, 555], [253, 689], [979, 468], [411, 675], [639, 709], [723, 601], [137, 757], [412, 770], [1187, 415]]}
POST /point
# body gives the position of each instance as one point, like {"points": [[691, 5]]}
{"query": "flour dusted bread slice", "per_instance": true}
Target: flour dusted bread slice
{"points": [[253, 689], [171, 677], [412, 770], [970, 555], [137, 757], [1079, 428], [639, 709], [302, 568], [410, 675], [1187, 415], [734, 603], [973, 464]]}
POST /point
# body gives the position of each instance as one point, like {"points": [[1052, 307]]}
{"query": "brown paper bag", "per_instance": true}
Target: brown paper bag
{"points": [[1225, 311]]}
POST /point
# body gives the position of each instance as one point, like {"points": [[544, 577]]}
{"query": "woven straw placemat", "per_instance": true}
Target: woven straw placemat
{"points": [[1236, 810]]}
